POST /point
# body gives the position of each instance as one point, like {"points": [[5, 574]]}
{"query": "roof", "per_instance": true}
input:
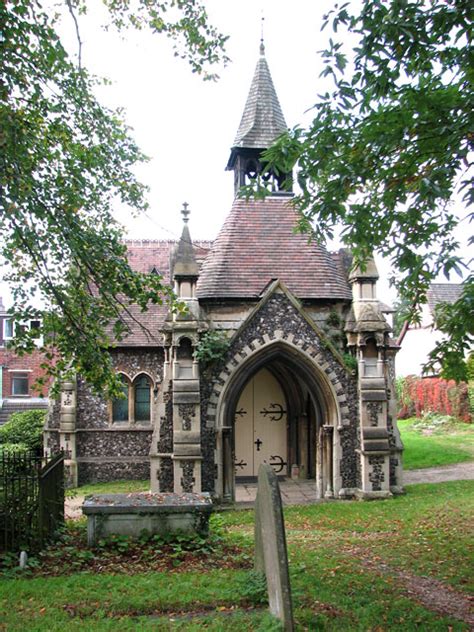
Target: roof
{"points": [[257, 244], [146, 256], [262, 121], [443, 293]]}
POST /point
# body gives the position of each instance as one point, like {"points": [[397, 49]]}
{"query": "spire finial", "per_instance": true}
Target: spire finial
{"points": [[185, 213], [262, 45]]}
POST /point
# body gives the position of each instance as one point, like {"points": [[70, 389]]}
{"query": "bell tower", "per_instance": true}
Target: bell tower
{"points": [[261, 124]]}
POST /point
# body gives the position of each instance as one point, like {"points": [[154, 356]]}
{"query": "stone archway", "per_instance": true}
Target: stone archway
{"points": [[308, 389]]}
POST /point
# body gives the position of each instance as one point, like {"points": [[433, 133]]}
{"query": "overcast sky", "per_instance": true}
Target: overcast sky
{"points": [[185, 125]]}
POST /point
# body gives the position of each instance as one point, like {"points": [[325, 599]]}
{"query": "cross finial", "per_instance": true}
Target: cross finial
{"points": [[262, 45], [185, 213]]}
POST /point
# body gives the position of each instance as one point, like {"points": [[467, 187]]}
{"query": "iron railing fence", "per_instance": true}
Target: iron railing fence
{"points": [[31, 500]]}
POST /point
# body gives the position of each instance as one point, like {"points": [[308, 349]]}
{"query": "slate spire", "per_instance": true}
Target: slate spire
{"points": [[261, 124], [262, 121]]}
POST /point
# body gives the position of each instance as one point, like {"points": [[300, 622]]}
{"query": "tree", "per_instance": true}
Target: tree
{"points": [[388, 155], [65, 159]]}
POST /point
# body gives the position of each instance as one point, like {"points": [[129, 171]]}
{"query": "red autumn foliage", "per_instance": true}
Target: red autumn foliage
{"points": [[432, 394]]}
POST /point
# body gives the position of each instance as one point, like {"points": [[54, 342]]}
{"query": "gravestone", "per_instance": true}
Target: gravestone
{"points": [[271, 555]]}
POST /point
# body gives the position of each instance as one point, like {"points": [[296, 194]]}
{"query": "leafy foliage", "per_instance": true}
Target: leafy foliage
{"points": [[12, 448], [24, 428], [418, 396], [456, 321], [390, 149], [212, 346], [402, 312], [350, 361], [65, 160]]}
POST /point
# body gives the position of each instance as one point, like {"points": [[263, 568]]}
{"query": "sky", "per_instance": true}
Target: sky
{"points": [[185, 125]]}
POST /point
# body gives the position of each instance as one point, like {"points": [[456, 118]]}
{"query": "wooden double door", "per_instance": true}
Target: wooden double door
{"points": [[261, 427]]}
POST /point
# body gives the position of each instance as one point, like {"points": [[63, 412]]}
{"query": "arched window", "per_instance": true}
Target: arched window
{"points": [[120, 406], [142, 397]]}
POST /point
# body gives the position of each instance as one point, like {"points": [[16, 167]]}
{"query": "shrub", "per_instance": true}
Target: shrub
{"points": [[417, 396], [212, 346], [13, 448], [434, 421], [24, 428]]}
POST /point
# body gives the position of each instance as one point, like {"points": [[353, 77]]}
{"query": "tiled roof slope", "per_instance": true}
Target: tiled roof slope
{"points": [[144, 256], [262, 121], [443, 293], [257, 244]]}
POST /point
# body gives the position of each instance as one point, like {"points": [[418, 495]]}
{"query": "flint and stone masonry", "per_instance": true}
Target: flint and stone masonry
{"points": [[306, 383]]}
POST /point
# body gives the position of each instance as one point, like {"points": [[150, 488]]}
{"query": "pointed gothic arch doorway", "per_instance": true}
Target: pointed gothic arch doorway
{"points": [[277, 407]]}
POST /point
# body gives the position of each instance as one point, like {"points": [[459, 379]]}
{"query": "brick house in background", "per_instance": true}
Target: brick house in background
{"points": [[306, 383], [18, 374]]}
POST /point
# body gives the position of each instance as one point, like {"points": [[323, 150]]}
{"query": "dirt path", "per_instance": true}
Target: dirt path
{"points": [[456, 472], [428, 591]]}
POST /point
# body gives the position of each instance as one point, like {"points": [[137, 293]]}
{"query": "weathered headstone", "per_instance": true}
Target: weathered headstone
{"points": [[271, 555]]}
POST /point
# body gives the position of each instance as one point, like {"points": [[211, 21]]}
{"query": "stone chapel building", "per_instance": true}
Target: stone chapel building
{"points": [[306, 383]]}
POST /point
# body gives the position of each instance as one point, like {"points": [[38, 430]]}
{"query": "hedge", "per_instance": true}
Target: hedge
{"points": [[24, 428]]}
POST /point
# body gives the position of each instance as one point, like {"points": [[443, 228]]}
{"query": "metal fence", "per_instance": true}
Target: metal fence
{"points": [[31, 500]]}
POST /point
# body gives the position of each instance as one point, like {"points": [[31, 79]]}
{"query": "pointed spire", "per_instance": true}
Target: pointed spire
{"points": [[185, 264], [262, 121]]}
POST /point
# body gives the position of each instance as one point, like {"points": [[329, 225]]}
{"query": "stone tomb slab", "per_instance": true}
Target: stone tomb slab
{"points": [[271, 556], [158, 514]]}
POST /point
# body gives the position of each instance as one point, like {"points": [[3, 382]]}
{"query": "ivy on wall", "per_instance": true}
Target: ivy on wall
{"points": [[417, 396]]}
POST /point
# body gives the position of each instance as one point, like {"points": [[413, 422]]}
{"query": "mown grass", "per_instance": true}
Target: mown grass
{"points": [[341, 556], [114, 487], [452, 443]]}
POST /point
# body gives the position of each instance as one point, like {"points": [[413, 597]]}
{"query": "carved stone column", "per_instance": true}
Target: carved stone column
{"points": [[328, 436], [67, 429]]}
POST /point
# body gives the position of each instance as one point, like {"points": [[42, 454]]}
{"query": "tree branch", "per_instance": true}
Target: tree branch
{"points": [[78, 35]]}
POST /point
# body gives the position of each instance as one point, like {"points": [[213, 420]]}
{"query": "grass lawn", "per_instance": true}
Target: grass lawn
{"points": [[348, 563], [115, 487], [449, 444]]}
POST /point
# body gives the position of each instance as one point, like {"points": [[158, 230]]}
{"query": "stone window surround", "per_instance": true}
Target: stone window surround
{"points": [[131, 422]]}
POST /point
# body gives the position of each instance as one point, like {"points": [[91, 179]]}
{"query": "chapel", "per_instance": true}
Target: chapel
{"points": [[304, 382]]}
